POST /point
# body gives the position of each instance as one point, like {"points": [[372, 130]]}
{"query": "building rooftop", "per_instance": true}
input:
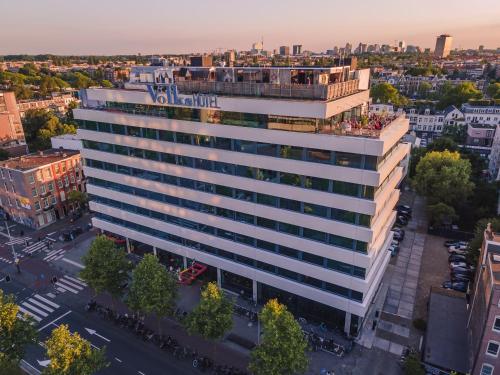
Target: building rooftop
{"points": [[36, 160], [446, 338]]}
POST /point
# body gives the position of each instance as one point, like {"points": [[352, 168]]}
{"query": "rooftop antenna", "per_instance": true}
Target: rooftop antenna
{"points": [[262, 42]]}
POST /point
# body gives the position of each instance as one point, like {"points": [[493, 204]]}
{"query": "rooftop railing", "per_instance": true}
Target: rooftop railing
{"points": [[292, 91]]}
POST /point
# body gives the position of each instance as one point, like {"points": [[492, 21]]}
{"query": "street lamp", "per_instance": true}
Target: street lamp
{"points": [[11, 244]]}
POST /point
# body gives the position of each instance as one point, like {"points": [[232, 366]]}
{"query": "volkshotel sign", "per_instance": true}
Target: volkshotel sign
{"points": [[168, 94]]}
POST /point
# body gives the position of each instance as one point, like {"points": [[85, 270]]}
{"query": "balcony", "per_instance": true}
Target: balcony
{"points": [[289, 91]]}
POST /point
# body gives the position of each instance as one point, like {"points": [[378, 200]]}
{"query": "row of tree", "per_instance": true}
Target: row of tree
{"points": [[153, 290], [68, 352]]}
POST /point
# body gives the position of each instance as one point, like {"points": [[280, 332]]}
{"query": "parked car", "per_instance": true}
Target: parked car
{"points": [[404, 207], [456, 258], [459, 286], [462, 270], [402, 220], [457, 252], [71, 234], [458, 264], [449, 243], [461, 277], [394, 249], [398, 237], [457, 247]]}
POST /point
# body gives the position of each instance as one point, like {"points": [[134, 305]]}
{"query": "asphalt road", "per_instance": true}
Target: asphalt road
{"points": [[64, 303]]}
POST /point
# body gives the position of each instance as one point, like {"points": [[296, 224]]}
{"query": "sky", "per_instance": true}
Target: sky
{"points": [[166, 26]]}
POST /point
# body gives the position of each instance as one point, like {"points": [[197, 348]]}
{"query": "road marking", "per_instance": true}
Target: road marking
{"points": [[33, 308], [51, 295], [66, 282], [76, 264], [50, 234], [76, 280], [51, 253], [38, 303], [29, 368], [30, 314], [44, 363], [58, 257], [118, 360], [46, 300], [61, 290], [141, 373], [66, 288], [93, 332], [55, 320]]}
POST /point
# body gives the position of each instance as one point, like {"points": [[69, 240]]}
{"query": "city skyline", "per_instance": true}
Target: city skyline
{"points": [[156, 27]]}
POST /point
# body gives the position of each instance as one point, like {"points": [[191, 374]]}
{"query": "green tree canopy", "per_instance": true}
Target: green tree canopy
{"points": [[4, 154], [441, 214], [458, 94], [283, 347], [476, 242], [40, 125], [213, 316], [493, 90], [387, 93], [15, 333], [153, 289], [442, 143], [412, 366], [70, 354], [77, 196], [106, 267], [444, 177]]}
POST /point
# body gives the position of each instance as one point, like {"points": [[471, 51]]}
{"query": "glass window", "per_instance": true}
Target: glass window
{"points": [[122, 150], [290, 204], [266, 245], [151, 155], [133, 131], [267, 200], [244, 146], [311, 258], [34, 192], [37, 205], [243, 195], [371, 162], [222, 143], [266, 175], [183, 138], [496, 325], [266, 223], [345, 188], [291, 152], [318, 156], [223, 167], [136, 152], [316, 183], [185, 161], [289, 252], [244, 218], [202, 140], [342, 215], [166, 135], [341, 241], [203, 164], [168, 158], [492, 348], [150, 133], [316, 210], [224, 190], [486, 369], [104, 127], [290, 179], [243, 171], [266, 149], [289, 228], [118, 129], [347, 159], [314, 235]]}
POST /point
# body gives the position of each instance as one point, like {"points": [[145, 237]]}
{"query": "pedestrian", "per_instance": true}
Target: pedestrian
{"points": [[21, 232], [17, 265]]}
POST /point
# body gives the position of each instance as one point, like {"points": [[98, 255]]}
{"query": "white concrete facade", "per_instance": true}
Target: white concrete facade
{"points": [[377, 235]]}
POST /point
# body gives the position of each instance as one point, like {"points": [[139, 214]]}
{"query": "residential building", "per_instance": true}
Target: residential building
{"points": [[58, 103], [443, 46], [284, 50], [34, 188], [430, 122], [276, 179], [10, 119], [483, 326], [297, 49]]}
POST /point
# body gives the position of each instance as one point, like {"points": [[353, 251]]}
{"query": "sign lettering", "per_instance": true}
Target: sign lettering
{"points": [[169, 94]]}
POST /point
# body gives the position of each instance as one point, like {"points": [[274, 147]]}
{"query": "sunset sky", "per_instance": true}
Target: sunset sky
{"points": [[165, 26]]}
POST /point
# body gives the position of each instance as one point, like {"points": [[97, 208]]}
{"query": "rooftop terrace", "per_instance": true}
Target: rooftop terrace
{"points": [[39, 159]]}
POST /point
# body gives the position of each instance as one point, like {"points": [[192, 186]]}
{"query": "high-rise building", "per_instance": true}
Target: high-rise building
{"points": [[348, 48], [443, 46], [297, 49], [284, 50], [278, 192]]}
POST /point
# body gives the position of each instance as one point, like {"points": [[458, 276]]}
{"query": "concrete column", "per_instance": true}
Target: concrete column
{"points": [[154, 251], [347, 323], [185, 262], [127, 243], [219, 278], [254, 290]]}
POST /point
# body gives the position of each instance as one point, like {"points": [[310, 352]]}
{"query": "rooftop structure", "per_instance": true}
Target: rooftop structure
{"points": [[35, 160]]}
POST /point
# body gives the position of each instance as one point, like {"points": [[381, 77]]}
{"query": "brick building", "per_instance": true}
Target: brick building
{"points": [[34, 188]]}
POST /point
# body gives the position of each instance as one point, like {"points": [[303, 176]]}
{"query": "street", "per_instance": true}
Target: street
{"points": [[63, 302]]}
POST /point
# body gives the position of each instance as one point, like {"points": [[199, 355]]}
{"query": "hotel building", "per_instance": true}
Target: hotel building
{"points": [[277, 179]]}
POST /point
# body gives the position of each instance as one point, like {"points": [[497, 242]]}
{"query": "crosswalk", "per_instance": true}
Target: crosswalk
{"points": [[5, 260], [33, 248], [70, 284], [18, 241], [54, 255], [37, 307]]}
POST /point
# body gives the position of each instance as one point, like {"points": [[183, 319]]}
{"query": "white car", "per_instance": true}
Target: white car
{"points": [[458, 264], [457, 247], [457, 251]]}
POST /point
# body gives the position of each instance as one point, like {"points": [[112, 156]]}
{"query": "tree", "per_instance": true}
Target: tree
{"points": [[412, 366], [424, 90], [458, 94], [476, 242], [15, 333], [77, 196], [416, 154], [387, 93], [213, 316], [153, 289], [456, 132], [106, 267], [443, 177], [441, 214], [493, 90], [106, 83], [70, 354], [442, 143], [4, 154], [283, 347], [40, 125]]}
